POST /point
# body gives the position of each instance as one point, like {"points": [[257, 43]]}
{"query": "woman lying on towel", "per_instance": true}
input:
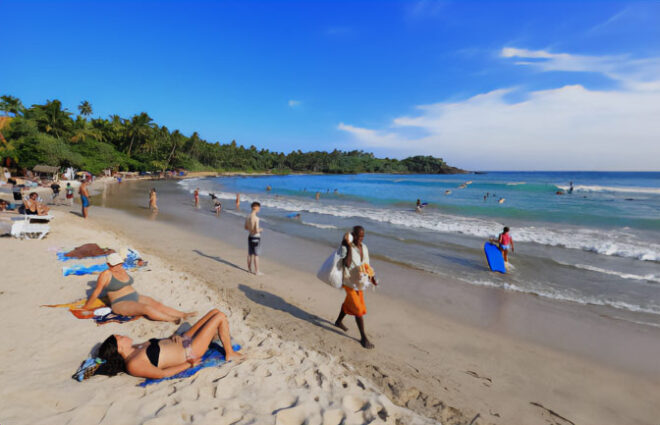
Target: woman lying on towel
{"points": [[117, 285], [162, 358]]}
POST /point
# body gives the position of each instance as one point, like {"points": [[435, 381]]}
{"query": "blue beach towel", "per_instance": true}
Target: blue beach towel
{"points": [[130, 262], [214, 356], [62, 257]]}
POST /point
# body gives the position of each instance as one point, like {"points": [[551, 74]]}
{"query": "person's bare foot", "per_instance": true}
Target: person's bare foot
{"points": [[234, 356], [341, 326], [367, 344]]}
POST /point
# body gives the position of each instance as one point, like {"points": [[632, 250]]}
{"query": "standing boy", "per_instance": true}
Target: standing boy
{"points": [[254, 238], [69, 194]]}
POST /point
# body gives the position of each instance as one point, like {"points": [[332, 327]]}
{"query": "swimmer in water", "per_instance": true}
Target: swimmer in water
{"points": [[501, 201]]}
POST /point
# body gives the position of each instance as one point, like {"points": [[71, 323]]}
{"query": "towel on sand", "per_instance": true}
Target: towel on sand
{"points": [[214, 356], [88, 250], [130, 262], [81, 313]]}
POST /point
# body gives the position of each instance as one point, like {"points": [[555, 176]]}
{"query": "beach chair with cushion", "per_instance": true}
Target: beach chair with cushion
{"points": [[31, 226]]}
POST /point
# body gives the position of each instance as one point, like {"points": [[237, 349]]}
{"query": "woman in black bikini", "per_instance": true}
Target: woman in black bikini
{"points": [[165, 357], [124, 300]]}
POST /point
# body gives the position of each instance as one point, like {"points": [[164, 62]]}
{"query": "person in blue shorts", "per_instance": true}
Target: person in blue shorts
{"points": [[84, 197]]}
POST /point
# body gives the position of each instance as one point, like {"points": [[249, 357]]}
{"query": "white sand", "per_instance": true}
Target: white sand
{"points": [[280, 382]]}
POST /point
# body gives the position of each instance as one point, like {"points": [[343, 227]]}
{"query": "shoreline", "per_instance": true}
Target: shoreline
{"points": [[417, 372]]}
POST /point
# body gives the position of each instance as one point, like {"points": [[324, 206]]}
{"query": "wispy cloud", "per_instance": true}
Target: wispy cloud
{"points": [[568, 127], [425, 8], [294, 103], [632, 72]]}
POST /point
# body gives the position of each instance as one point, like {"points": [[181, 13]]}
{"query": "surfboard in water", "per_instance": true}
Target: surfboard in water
{"points": [[494, 258]]}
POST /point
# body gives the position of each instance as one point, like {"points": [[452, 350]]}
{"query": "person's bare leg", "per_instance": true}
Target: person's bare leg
{"points": [[363, 336], [201, 322], [506, 255], [216, 325], [340, 319], [134, 308], [256, 264], [249, 261], [165, 309]]}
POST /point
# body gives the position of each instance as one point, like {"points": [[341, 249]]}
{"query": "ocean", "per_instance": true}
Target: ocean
{"points": [[599, 245]]}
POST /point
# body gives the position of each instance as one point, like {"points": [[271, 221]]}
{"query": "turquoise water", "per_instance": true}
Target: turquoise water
{"points": [[598, 245]]}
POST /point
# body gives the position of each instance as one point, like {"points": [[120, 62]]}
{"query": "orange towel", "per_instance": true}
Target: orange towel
{"points": [[354, 302], [76, 308]]}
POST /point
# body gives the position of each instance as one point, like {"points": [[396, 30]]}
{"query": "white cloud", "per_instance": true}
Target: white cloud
{"points": [[566, 128], [630, 72], [294, 103]]}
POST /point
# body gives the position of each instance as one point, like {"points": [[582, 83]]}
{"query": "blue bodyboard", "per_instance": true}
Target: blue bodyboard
{"points": [[494, 257]]}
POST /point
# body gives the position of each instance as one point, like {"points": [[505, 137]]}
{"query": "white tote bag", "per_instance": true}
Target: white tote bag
{"points": [[331, 272]]}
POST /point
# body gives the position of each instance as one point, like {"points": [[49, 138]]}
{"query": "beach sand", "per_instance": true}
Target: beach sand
{"points": [[280, 382], [301, 369]]}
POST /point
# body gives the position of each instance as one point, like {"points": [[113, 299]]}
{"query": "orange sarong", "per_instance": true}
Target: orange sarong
{"points": [[354, 302]]}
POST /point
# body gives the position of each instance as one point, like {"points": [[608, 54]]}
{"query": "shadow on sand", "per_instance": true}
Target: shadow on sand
{"points": [[219, 260], [278, 303]]}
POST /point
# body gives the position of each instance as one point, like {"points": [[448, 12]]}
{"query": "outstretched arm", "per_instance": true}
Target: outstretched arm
{"points": [[100, 284]]}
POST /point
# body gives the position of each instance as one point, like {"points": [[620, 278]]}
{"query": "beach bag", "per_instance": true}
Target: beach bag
{"points": [[331, 272]]}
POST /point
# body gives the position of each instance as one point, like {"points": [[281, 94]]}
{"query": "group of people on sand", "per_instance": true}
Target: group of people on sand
{"points": [[156, 358]]}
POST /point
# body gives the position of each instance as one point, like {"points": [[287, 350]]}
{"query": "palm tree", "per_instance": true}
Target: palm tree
{"points": [[83, 130], [177, 139], [11, 105], [51, 118], [85, 108], [138, 128]]}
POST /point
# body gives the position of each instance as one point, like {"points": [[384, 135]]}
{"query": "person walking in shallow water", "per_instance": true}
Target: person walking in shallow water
{"points": [[355, 269], [153, 200], [196, 195]]}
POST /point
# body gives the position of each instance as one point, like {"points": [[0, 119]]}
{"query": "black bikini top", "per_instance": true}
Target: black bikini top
{"points": [[153, 351]]}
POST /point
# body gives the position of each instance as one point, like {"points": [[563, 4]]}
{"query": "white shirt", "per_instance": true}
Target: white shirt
{"points": [[352, 272]]}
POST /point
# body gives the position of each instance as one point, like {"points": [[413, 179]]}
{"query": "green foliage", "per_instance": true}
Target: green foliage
{"points": [[47, 134]]}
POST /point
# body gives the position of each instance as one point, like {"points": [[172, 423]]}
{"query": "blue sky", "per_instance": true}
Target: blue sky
{"points": [[485, 85]]}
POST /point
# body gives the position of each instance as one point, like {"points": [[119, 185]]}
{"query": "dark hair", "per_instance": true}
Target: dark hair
{"points": [[33, 193], [114, 362], [506, 229], [356, 230], [255, 204]]}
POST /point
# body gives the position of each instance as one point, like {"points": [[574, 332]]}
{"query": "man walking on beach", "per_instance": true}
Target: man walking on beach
{"points": [[254, 238], [355, 271], [84, 197]]}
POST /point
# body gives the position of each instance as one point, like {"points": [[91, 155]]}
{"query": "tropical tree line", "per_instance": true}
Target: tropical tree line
{"points": [[50, 134]]}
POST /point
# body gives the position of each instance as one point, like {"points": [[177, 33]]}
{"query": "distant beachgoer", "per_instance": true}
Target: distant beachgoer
{"points": [[485, 197], [217, 206], [318, 195], [355, 260], [447, 192], [501, 200], [294, 216], [570, 188], [84, 197], [69, 193], [162, 358], [268, 188], [33, 206], [153, 200], [418, 207], [506, 243], [116, 284], [238, 201], [196, 196], [559, 192], [56, 190], [254, 238]]}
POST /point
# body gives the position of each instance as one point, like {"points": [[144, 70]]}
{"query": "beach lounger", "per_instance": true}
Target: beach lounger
{"points": [[31, 226]]}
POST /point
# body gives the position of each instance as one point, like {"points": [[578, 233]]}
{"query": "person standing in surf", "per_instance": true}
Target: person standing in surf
{"points": [[196, 196], [153, 200], [355, 257], [254, 238], [506, 243]]}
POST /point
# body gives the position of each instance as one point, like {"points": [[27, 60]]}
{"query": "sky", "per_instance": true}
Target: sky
{"points": [[484, 85]]}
